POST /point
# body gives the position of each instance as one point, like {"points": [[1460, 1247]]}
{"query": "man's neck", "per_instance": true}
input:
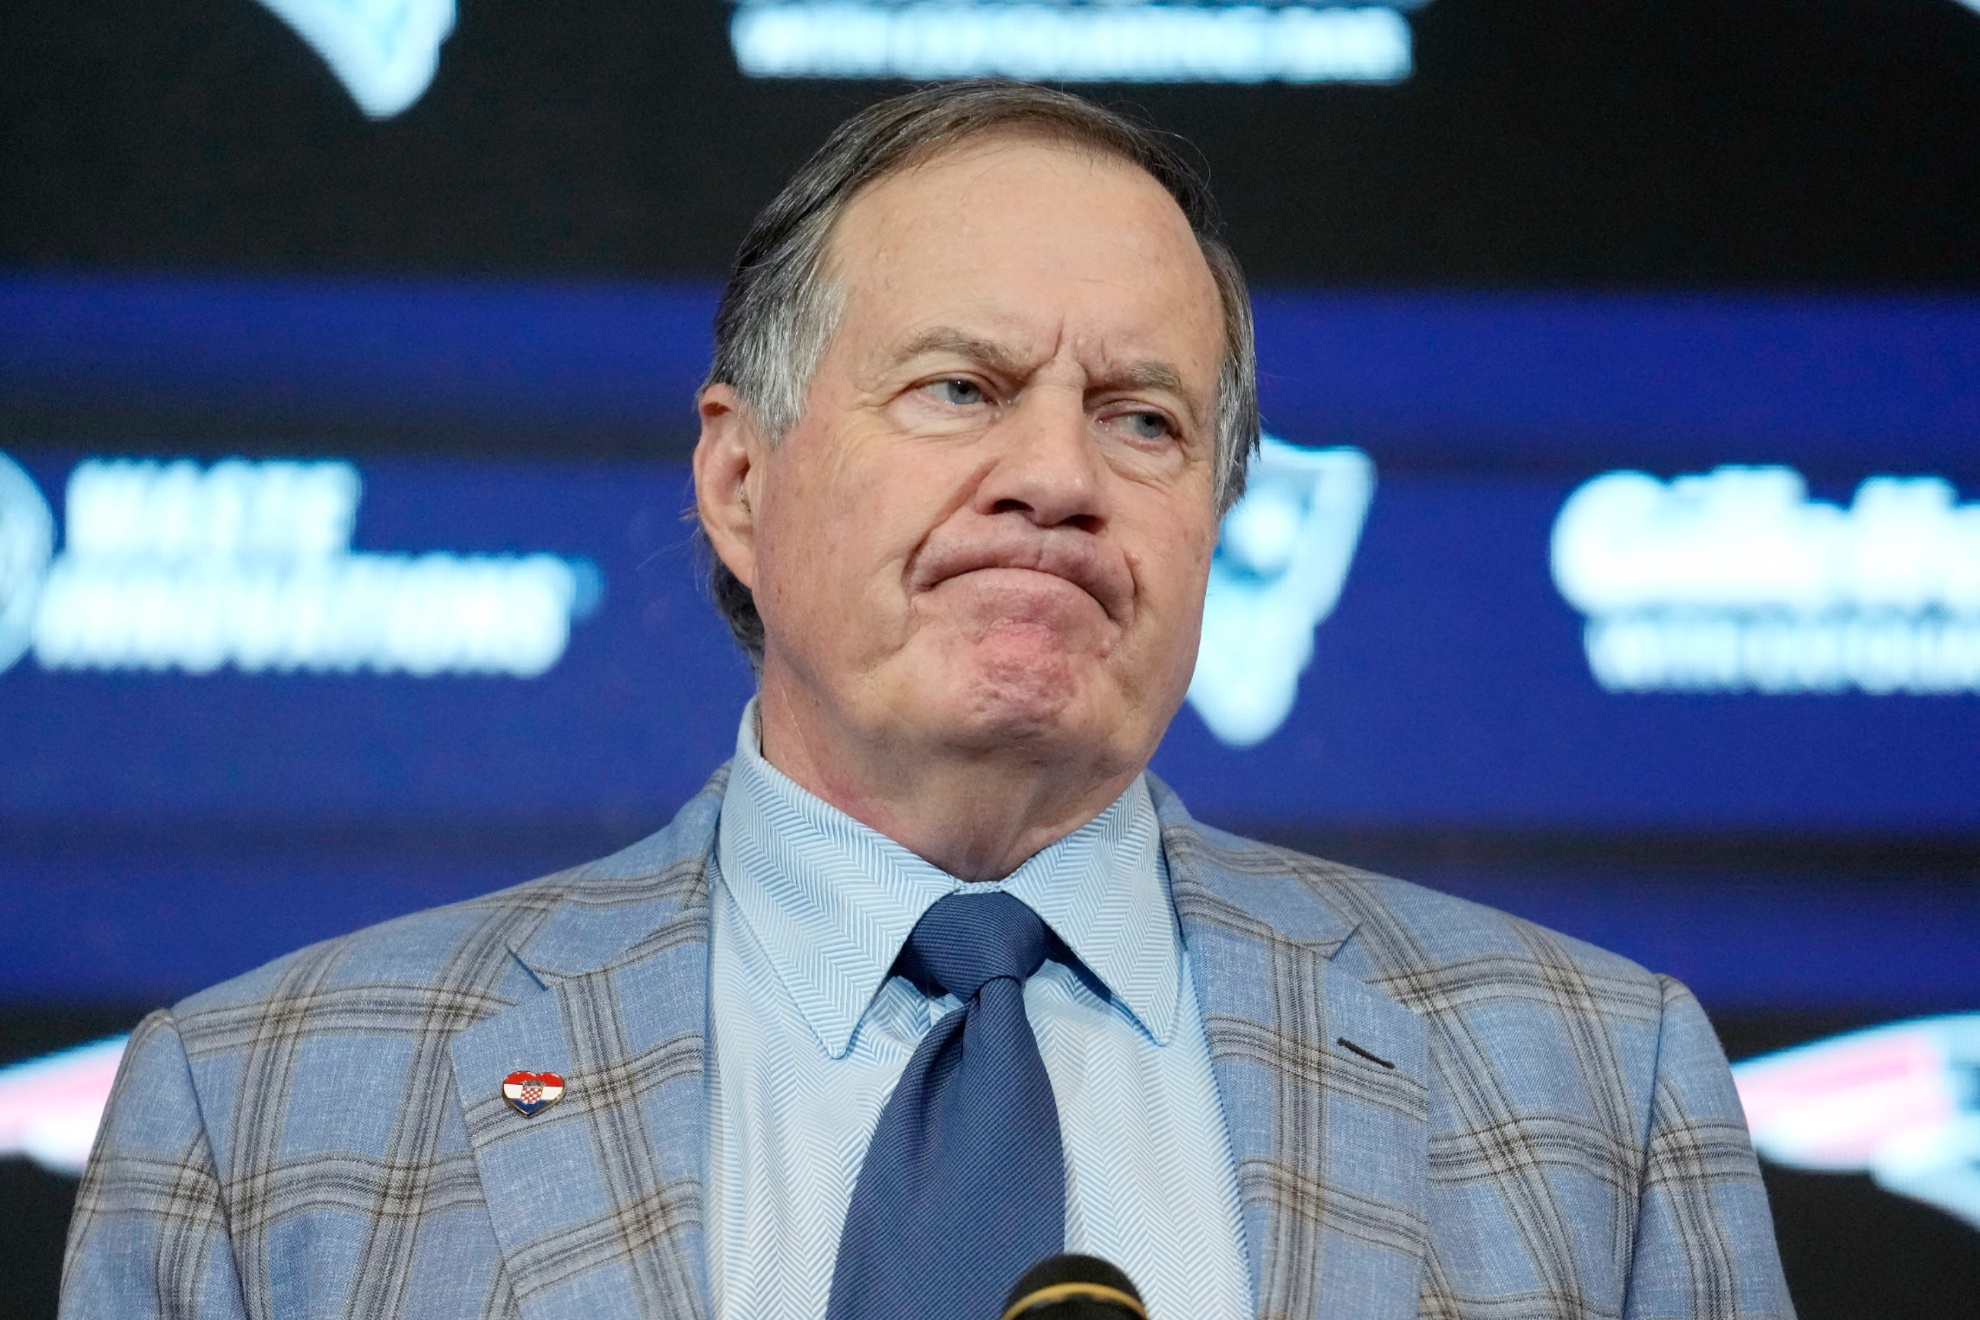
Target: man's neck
{"points": [[977, 813]]}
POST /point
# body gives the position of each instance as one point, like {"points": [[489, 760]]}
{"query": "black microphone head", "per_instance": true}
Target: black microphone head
{"points": [[1073, 1287]]}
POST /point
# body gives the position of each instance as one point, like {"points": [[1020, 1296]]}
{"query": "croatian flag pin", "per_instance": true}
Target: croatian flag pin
{"points": [[530, 1093]]}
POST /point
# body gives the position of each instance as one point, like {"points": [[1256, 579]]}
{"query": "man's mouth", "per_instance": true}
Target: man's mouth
{"points": [[1023, 564]]}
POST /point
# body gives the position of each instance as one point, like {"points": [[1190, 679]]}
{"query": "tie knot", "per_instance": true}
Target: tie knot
{"points": [[968, 940]]}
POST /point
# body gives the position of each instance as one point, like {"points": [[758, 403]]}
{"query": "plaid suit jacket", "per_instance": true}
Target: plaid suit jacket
{"points": [[1436, 1109]]}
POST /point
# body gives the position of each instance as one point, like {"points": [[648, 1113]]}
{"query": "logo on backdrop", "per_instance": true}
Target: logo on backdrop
{"points": [[1736, 581], [1145, 41], [1900, 1102], [1280, 564], [27, 543], [385, 52], [172, 566]]}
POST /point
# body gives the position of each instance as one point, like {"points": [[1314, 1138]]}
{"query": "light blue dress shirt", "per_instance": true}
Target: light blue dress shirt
{"points": [[810, 1034]]}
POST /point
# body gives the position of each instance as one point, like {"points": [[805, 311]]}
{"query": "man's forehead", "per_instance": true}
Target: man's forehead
{"points": [[1023, 248], [986, 150], [971, 188]]}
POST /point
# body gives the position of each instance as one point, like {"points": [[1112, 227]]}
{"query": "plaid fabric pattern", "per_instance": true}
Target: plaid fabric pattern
{"points": [[1436, 1110]]}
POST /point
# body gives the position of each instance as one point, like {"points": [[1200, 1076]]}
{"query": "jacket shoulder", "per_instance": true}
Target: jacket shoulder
{"points": [[1431, 951], [465, 960]]}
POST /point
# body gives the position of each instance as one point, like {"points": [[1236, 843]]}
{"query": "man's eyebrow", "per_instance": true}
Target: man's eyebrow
{"points": [[947, 339], [1149, 375], [1156, 376]]}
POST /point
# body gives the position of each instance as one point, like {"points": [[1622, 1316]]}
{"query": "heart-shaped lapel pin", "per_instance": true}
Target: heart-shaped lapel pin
{"points": [[530, 1093]]}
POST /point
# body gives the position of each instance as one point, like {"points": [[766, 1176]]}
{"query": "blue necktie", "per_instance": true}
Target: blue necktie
{"points": [[964, 1186]]}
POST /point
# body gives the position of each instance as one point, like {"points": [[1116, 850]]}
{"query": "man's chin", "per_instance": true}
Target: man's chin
{"points": [[1022, 697]]}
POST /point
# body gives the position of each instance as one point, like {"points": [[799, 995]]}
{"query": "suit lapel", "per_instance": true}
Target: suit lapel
{"points": [[1323, 1082], [597, 1200]]}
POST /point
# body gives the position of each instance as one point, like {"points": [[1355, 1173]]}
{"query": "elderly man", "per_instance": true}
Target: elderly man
{"points": [[934, 980]]}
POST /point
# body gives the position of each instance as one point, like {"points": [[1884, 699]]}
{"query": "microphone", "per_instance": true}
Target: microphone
{"points": [[1072, 1287]]}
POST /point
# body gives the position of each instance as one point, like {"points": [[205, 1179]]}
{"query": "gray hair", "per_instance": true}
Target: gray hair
{"points": [[780, 309]]}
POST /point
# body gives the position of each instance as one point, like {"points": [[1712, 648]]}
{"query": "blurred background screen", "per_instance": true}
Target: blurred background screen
{"points": [[1613, 558]]}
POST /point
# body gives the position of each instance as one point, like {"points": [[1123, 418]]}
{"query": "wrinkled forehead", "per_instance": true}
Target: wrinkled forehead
{"points": [[1023, 226], [945, 181]]}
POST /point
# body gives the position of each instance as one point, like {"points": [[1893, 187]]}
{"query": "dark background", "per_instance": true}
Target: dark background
{"points": [[1823, 148], [1678, 144]]}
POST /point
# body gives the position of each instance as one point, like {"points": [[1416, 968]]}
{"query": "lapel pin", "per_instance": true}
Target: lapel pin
{"points": [[530, 1093]]}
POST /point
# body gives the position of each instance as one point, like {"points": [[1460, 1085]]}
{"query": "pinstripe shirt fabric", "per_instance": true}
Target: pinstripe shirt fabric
{"points": [[1434, 1110], [810, 1034]]}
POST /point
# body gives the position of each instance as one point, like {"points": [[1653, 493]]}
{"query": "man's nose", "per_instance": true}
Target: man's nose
{"points": [[1046, 466]]}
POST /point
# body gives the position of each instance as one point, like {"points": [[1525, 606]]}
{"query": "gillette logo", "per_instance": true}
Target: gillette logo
{"points": [[1736, 581]]}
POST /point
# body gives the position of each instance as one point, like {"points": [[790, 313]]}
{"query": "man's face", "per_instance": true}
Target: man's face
{"points": [[991, 527]]}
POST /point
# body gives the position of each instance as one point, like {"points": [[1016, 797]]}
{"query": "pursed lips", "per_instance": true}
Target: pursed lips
{"points": [[1072, 556]]}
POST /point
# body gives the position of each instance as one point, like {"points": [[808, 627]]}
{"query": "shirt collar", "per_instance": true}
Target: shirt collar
{"points": [[832, 901]]}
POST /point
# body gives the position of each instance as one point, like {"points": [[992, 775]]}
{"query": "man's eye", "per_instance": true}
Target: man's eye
{"points": [[1149, 426], [958, 393]]}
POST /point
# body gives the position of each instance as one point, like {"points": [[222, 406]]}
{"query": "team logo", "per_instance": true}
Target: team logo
{"points": [[530, 1093], [1281, 561], [27, 543], [1897, 1102], [385, 52]]}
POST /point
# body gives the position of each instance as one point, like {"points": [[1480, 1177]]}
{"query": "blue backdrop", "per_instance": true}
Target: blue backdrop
{"points": [[160, 829]]}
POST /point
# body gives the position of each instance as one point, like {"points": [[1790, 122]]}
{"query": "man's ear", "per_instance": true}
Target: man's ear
{"points": [[728, 470]]}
